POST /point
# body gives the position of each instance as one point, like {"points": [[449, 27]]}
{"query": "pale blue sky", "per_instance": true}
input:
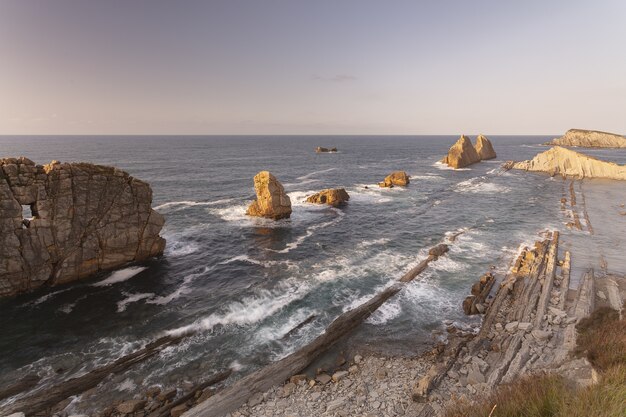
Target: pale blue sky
{"points": [[311, 67]]}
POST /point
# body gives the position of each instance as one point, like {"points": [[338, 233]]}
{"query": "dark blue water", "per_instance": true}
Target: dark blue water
{"points": [[243, 283]]}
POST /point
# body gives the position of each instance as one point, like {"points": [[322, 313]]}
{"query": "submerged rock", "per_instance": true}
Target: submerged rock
{"points": [[484, 148], [589, 139], [272, 201], [333, 196], [565, 162], [461, 154], [84, 218], [395, 178]]}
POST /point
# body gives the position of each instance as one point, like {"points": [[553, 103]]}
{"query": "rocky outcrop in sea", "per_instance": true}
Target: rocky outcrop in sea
{"points": [[272, 201], [463, 153], [589, 139], [333, 196], [568, 163], [65, 221], [395, 178]]}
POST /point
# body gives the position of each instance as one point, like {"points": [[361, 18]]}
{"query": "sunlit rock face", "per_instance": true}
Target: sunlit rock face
{"points": [[271, 200], [589, 139], [65, 221]]}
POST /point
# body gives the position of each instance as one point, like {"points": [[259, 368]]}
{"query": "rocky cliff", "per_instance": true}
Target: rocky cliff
{"points": [[461, 154], [272, 201], [562, 161], [589, 139], [65, 221]]}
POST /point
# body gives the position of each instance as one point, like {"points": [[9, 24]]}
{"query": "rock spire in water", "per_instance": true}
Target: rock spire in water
{"points": [[272, 201]]}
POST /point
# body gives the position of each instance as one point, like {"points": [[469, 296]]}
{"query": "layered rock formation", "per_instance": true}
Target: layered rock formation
{"points": [[85, 218], [334, 197], [461, 154], [272, 201], [484, 148], [395, 178], [320, 149], [589, 139], [565, 162]]}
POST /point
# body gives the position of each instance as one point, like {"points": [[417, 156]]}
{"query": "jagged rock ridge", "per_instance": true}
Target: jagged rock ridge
{"points": [[589, 139], [463, 153], [565, 162], [85, 218]]}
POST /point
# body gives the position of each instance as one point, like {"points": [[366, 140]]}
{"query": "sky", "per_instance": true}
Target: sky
{"points": [[312, 67]]}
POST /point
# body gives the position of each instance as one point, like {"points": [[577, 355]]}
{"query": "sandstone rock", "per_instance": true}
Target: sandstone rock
{"points": [[461, 154], [179, 410], [511, 327], [272, 201], [395, 178], [298, 379], [321, 149], [589, 139], [565, 162], [484, 148], [130, 406], [85, 218], [333, 196], [473, 304]]}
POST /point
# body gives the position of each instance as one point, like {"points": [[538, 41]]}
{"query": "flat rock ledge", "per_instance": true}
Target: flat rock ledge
{"points": [[65, 221], [569, 163], [589, 139]]}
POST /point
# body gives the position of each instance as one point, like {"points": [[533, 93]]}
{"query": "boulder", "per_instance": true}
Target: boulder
{"points": [[484, 148], [568, 163], [461, 154], [83, 218], [320, 149], [272, 201], [589, 139], [395, 178], [333, 196], [438, 250]]}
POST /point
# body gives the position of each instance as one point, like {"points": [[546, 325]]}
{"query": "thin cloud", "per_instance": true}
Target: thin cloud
{"points": [[339, 78]]}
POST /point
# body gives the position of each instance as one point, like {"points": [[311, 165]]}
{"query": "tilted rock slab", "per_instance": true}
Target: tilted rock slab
{"points": [[461, 154], [334, 197], [589, 139], [272, 201], [86, 218], [484, 148], [565, 162], [395, 178]]}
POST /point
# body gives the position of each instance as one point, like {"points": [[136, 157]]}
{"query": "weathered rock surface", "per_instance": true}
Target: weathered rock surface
{"points": [[484, 148], [461, 154], [565, 162], [320, 149], [395, 178], [272, 201], [589, 139], [475, 303], [334, 197], [85, 218]]}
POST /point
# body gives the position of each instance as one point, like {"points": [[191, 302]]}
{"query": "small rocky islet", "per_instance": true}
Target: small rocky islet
{"points": [[513, 339]]}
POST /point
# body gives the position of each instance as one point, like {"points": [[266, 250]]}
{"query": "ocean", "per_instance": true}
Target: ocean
{"points": [[243, 283]]}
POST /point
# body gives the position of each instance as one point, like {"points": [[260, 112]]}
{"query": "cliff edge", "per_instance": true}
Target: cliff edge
{"points": [[589, 139], [65, 221], [565, 162]]}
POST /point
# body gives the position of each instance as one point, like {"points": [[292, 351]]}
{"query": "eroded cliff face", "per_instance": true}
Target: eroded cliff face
{"points": [[589, 139], [562, 161], [84, 218]]}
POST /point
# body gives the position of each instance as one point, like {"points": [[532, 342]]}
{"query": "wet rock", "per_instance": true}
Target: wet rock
{"points": [[321, 149], [272, 201], [395, 178], [179, 410], [167, 395], [130, 406], [85, 218], [438, 250], [333, 197]]}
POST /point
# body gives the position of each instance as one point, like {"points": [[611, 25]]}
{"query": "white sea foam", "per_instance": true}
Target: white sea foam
{"points": [[179, 205], [182, 289], [426, 177], [386, 312], [314, 173], [177, 247], [127, 385], [120, 276], [445, 167], [132, 298], [46, 297], [480, 185], [375, 242], [309, 232], [249, 310]]}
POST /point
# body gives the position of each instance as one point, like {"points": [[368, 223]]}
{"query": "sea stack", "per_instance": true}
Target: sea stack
{"points": [[395, 178], [589, 139], [484, 148], [321, 149], [568, 163], [461, 154], [272, 202], [65, 221], [334, 197]]}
